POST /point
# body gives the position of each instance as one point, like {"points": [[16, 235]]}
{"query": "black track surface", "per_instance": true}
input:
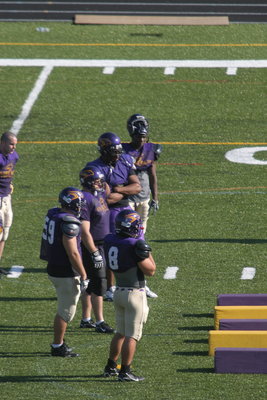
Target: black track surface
{"points": [[238, 11]]}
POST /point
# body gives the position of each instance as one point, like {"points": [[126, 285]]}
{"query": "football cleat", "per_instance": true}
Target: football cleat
{"points": [[109, 371], [103, 328], [87, 324], [62, 351], [150, 294], [129, 377]]}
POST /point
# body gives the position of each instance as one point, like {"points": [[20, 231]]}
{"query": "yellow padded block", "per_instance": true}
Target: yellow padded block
{"points": [[238, 312], [254, 339]]}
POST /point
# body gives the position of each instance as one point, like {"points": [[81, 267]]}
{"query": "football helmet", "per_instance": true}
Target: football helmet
{"points": [[109, 145], [92, 178], [128, 223], [72, 199], [137, 124]]}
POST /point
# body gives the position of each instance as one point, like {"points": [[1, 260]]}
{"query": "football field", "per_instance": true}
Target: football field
{"points": [[203, 90]]}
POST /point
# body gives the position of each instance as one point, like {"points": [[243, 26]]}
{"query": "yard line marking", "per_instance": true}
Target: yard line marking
{"points": [[169, 71], [38, 62], [108, 70], [33, 96], [169, 143], [214, 190], [231, 71], [171, 272], [15, 271], [248, 273], [138, 44]]}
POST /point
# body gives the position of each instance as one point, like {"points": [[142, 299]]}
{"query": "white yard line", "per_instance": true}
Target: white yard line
{"points": [[15, 271], [248, 273], [33, 96], [108, 67], [17, 62], [170, 273]]}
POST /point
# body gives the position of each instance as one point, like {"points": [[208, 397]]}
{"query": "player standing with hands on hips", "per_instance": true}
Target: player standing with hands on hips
{"points": [[130, 259]]}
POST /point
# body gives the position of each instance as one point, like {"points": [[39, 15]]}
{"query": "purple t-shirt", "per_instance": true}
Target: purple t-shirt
{"points": [[96, 211], [118, 175], [7, 169], [122, 260], [143, 157], [52, 249]]}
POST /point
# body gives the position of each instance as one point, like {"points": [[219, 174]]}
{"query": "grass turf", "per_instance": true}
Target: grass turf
{"points": [[211, 219]]}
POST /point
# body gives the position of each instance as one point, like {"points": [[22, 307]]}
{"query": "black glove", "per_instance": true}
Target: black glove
{"points": [[97, 260], [142, 249], [153, 206]]}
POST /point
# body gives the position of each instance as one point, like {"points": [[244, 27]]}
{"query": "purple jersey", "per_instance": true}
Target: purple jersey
{"points": [[96, 211], [7, 169], [122, 260], [143, 157], [118, 175], [52, 249]]}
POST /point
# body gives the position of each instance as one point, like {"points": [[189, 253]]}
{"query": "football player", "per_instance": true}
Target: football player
{"points": [[119, 173], [145, 155], [8, 160], [95, 226], [130, 259], [60, 247]]}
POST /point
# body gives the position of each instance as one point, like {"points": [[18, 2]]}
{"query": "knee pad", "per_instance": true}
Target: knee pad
{"points": [[99, 286]]}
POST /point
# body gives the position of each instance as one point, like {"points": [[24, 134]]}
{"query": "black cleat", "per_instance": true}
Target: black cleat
{"points": [[103, 328], [129, 377], [62, 351], [87, 324], [108, 371]]}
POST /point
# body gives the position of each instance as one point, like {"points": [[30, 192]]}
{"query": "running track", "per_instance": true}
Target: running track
{"points": [[239, 11]]}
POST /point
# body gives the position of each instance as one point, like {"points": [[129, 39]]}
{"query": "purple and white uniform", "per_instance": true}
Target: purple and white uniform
{"points": [[7, 169]]}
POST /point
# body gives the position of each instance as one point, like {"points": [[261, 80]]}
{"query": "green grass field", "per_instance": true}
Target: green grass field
{"points": [[211, 223]]}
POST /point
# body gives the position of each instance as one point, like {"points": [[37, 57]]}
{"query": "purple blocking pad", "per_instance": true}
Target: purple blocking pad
{"points": [[257, 299], [240, 360], [243, 324]]}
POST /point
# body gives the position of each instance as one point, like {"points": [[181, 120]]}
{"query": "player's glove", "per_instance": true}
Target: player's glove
{"points": [[97, 260], [153, 206], [84, 285], [142, 249]]}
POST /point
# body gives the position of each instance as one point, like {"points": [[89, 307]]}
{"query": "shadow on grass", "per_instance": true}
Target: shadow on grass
{"points": [[240, 241], [16, 329], [199, 370], [196, 328], [190, 353], [207, 315], [53, 378], [196, 341], [23, 355], [28, 299]]}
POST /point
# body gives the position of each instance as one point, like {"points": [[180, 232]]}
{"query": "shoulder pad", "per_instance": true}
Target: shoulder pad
{"points": [[157, 148], [70, 226], [142, 249], [71, 219]]}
